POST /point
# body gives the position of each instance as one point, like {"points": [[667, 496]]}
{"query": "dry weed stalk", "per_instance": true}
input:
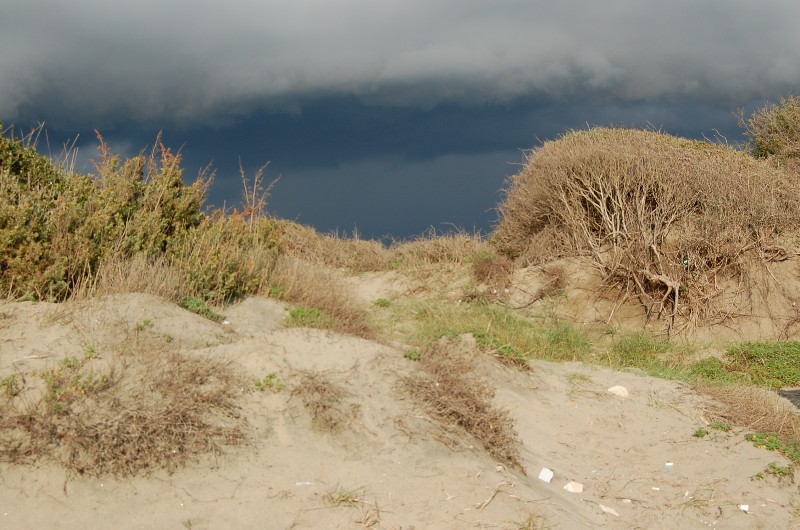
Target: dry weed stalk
{"points": [[323, 399], [453, 394], [758, 409]]}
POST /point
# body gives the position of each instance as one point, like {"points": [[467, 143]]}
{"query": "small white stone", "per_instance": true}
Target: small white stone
{"points": [[618, 390]]}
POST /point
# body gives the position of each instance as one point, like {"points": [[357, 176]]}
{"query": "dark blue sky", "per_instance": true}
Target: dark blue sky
{"points": [[385, 117]]}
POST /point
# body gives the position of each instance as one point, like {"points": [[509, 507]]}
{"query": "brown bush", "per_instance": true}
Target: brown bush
{"points": [[664, 217], [451, 391]]}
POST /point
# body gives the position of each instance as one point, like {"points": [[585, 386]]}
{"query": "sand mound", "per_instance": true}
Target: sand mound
{"points": [[334, 440]]}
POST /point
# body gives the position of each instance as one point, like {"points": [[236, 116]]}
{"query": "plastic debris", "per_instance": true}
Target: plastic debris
{"points": [[618, 390], [668, 467], [744, 507], [546, 475], [574, 487], [608, 510]]}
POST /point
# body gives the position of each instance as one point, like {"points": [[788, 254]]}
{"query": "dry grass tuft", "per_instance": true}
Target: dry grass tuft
{"points": [[458, 248], [665, 218], [309, 285], [450, 390], [324, 400], [494, 271], [758, 409], [352, 254], [145, 410]]}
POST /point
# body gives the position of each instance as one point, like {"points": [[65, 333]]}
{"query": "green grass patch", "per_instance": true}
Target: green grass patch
{"points": [[200, 307], [383, 302], [499, 331], [310, 317], [769, 364]]}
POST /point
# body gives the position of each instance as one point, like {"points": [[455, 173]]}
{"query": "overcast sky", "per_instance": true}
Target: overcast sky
{"points": [[385, 116]]}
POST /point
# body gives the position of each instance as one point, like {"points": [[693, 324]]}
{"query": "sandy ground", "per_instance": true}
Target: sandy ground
{"points": [[392, 466]]}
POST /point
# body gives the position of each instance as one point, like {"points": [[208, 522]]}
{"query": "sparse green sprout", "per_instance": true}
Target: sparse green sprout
{"points": [[700, 433], [89, 352], [721, 426], [780, 471], [200, 307], [759, 476], [143, 325], [10, 385], [269, 382], [382, 302], [413, 355]]}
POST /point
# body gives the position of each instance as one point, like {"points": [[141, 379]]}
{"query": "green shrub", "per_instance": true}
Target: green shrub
{"points": [[56, 226], [226, 257], [310, 317], [774, 132]]}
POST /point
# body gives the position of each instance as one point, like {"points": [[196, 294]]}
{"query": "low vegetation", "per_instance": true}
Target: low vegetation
{"points": [[675, 224], [134, 412]]}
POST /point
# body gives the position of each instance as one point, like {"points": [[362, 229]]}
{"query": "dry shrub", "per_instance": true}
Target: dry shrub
{"points": [[309, 285], [149, 410], [758, 409], [323, 399], [774, 133], [451, 391], [664, 217], [134, 275], [353, 254]]}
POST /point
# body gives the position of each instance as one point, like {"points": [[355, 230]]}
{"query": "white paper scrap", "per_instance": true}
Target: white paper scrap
{"points": [[608, 510], [574, 487], [744, 507], [546, 475]]}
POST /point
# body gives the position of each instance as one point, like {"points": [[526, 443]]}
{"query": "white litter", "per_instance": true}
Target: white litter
{"points": [[574, 487], [618, 390], [744, 507], [546, 475], [668, 467], [608, 510]]}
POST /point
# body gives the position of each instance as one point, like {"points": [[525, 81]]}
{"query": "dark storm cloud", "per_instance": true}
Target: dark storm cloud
{"points": [[201, 61]]}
